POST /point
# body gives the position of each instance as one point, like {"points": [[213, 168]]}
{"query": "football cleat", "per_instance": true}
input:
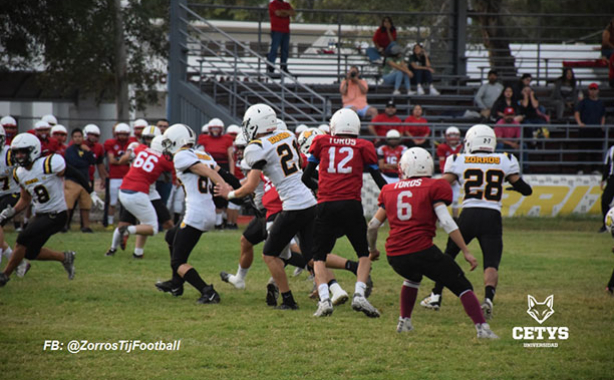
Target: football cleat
{"points": [[22, 268], [233, 280], [487, 309], [325, 308], [369, 288], [3, 279], [484, 331], [209, 295], [123, 234], [169, 287], [69, 264], [360, 303], [339, 298], [433, 301], [286, 306], [110, 252], [272, 293], [404, 325], [137, 257]]}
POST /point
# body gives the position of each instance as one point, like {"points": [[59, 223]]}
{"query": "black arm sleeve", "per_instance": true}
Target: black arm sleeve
{"points": [[307, 177], [522, 187], [377, 177], [73, 173], [229, 178]]}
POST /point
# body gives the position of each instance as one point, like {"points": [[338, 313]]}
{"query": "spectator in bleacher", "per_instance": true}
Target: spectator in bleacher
{"points": [[384, 39], [607, 40], [529, 108], [590, 111], [420, 65], [388, 116], [508, 132], [488, 94], [505, 100], [396, 72], [565, 93], [524, 81], [610, 71], [418, 133], [280, 13], [354, 94]]}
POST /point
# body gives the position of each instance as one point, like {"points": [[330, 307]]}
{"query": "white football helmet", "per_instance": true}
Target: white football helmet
{"points": [[233, 129], [259, 118], [281, 125], [216, 127], [122, 128], [176, 137], [416, 162], [151, 131], [2, 136], [345, 122], [42, 124], [240, 141], [305, 139], [205, 129], [300, 129], [480, 137], [58, 128], [50, 119], [157, 144], [393, 134], [91, 129], [8, 120], [324, 128], [452, 131], [140, 123], [30, 144]]}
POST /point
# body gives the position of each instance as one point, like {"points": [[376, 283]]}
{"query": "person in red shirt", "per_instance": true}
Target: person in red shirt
{"points": [[508, 131], [413, 206], [384, 38], [134, 195], [42, 130], [137, 129], [419, 133], [280, 13], [389, 155], [389, 116], [341, 157], [236, 155], [10, 128], [115, 149], [451, 146], [60, 133]]}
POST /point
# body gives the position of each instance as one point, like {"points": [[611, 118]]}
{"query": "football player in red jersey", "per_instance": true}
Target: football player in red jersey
{"points": [[60, 133], [235, 154], [450, 147], [389, 155], [138, 127], [413, 206], [10, 128], [115, 149], [42, 130], [341, 157]]}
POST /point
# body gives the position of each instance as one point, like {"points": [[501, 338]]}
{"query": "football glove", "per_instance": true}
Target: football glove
{"points": [[96, 201], [7, 213]]}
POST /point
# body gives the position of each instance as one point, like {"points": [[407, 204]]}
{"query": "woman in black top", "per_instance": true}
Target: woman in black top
{"points": [[505, 100]]}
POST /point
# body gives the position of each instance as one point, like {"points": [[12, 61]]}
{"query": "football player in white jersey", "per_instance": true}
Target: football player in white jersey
{"points": [[276, 155], [198, 173], [41, 183], [482, 173]]}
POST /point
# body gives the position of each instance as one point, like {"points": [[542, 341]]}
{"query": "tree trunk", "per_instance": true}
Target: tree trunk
{"points": [[121, 66], [495, 37]]}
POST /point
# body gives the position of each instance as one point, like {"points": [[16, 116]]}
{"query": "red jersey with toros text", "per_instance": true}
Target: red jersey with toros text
{"points": [[270, 200], [342, 161], [445, 150], [391, 156], [409, 208], [145, 169], [217, 147], [117, 149]]}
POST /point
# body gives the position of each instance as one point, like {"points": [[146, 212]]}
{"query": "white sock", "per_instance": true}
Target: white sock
{"points": [[335, 288], [323, 292], [7, 253], [110, 220], [242, 272], [115, 240], [138, 251], [218, 219], [132, 230], [360, 288]]}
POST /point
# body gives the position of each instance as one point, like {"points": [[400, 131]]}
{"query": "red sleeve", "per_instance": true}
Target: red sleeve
{"points": [[498, 131], [441, 191], [272, 9], [369, 155], [202, 139], [108, 145], [380, 198], [316, 147]]}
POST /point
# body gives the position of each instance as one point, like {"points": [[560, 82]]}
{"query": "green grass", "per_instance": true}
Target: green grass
{"points": [[113, 298]]}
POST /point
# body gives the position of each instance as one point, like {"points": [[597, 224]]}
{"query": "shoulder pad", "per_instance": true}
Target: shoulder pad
{"points": [[47, 165], [256, 142]]}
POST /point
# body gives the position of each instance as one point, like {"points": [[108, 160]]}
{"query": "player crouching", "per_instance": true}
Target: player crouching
{"points": [[413, 207], [41, 183]]}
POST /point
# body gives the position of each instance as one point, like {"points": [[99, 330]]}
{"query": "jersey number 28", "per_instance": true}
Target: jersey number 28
{"points": [[476, 178]]}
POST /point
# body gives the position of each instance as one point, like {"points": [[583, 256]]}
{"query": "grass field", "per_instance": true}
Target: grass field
{"points": [[113, 298]]}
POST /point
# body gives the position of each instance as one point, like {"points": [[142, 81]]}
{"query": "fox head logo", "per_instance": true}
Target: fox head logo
{"points": [[540, 311]]}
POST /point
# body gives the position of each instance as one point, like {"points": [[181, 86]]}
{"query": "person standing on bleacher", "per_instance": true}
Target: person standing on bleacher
{"points": [[280, 13]]}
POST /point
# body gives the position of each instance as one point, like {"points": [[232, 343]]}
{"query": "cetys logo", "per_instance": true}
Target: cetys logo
{"points": [[540, 312]]}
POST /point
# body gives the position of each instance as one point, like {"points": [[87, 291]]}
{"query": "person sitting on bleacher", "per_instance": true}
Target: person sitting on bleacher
{"points": [[529, 107], [488, 93], [384, 39], [354, 94], [565, 93], [418, 133], [505, 100], [420, 64], [395, 71], [388, 116]]}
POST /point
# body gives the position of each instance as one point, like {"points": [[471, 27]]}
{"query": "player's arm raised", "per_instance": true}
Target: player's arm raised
{"points": [[449, 225], [374, 224]]}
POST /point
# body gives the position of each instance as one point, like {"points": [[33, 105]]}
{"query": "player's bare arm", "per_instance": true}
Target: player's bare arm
{"points": [[376, 222], [449, 225], [248, 187]]}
